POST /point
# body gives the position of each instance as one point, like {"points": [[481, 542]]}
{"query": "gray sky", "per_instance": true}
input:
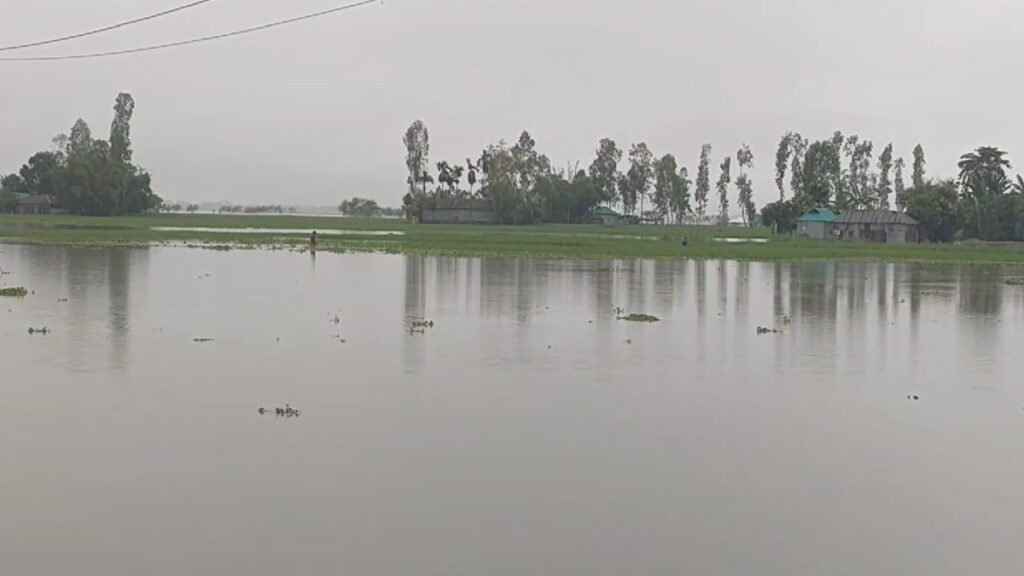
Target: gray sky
{"points": [[315, 112]]}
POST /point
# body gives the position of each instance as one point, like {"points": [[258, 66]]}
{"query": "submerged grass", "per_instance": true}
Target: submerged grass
{"points": [[544, 241]]}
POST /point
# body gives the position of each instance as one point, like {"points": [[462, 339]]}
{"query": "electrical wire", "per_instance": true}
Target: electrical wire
{"points": [[193, 40], [105, 28]]}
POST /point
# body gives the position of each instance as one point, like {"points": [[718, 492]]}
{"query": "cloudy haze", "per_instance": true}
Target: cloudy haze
{"points": [[315, 112]]}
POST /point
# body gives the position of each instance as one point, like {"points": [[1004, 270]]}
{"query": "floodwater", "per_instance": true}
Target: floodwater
{"points": [[287, 231], [527, 432]]}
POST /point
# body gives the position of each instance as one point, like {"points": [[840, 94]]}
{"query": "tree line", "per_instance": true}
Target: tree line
{"points": [[840, 173], [87, 176], [524, 187]]}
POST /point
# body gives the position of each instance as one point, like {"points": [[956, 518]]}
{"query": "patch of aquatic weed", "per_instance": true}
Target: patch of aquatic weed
{"points": [[640, 318], [17, 292]]}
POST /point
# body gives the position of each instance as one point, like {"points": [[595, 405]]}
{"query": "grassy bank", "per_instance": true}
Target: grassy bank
{"points": [[549, 241]]}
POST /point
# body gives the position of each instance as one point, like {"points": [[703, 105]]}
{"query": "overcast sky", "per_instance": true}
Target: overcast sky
{"points": [[315, 112]]}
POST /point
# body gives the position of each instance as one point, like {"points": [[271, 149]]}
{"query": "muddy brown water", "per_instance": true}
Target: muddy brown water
{"points": [[526, 432]]}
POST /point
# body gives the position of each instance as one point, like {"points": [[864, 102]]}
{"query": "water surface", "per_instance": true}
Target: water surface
{"points": [[527, 432]]}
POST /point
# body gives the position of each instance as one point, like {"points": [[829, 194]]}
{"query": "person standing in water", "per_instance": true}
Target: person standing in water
{"points": [[312, 242]]}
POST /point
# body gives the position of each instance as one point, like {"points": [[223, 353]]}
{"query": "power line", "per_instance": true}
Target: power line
{"points": [[105, 28], [192, 41]]}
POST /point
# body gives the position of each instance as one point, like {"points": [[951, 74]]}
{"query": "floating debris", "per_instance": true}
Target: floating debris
{"points": [[62, 299], [44, 331], [286, 412], [787, 320], [639, 318], [207, 275], [914, 397], [18, 292], [202, 340], [628, 340], [761, 330], [422, 323]]}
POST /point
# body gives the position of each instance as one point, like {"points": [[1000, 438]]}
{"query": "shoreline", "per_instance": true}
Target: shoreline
{"points": [[548, 241]]}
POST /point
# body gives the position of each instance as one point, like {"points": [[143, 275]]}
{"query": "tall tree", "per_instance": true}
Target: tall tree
{"points": [[919, 166], [80, 140], [724, 179], [884, 177], [745, 160], [640, 173], [835, 168], [818, 174], [121, 130], [471, 170], [782, 156], [417, 155], [899, 185], [681, 194], [604, 170], [1018, 186], [703, 181], [666, 178], [798, 150], [859, 181]]}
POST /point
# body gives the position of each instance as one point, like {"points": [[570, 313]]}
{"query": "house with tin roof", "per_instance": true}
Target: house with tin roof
{"points": [[883, 226], [816, 224]]}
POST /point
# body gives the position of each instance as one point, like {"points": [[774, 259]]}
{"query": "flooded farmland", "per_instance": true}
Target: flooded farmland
{"points": [[494, 416]]}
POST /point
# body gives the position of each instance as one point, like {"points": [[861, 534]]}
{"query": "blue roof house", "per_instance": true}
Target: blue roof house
{"points": [[816, 224]]}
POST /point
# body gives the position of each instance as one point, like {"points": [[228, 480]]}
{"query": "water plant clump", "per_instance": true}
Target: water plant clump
{"points": [[761, 330], [640, 318], [17, 292]]}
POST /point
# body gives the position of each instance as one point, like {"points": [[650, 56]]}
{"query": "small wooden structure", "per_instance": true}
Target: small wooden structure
{"points": [[460, 211]]}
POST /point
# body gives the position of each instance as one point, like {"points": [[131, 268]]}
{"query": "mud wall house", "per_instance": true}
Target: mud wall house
{"points": [[464, 211], [816, 224], [38, 204], [883, 226]]}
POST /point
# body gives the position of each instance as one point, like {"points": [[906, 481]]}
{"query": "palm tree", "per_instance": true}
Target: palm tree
{"points": [[1018, 186], [983, 172], [983, 177]]}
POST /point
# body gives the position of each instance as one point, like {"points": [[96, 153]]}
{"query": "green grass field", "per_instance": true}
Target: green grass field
{"points": [[544, 241]]}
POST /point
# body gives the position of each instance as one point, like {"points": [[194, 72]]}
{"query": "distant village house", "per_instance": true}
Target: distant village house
{"points": [[460, 211], [882, 226], [604, 215], [35, 204]]}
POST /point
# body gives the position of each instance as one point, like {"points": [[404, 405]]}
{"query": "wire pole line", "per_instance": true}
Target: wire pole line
{"points": [[191, 41], [105, 28]]}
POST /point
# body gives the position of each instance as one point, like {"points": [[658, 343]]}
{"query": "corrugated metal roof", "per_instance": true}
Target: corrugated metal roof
{"points": [[603, 211], [37, 200], [819, 215], [464, 204], [874, 217]]}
